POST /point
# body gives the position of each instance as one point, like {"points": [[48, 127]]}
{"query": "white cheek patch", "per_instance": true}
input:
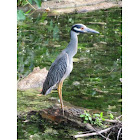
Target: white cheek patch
{"points": [[77, 29]]}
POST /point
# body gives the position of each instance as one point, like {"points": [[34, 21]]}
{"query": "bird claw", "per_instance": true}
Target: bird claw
{"points": [[63, 111]]}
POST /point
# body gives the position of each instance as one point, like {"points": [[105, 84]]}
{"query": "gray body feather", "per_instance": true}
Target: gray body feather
{"points": [[56, 73]]}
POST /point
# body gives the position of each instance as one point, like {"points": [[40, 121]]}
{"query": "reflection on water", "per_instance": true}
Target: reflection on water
{"points": [[94, 82]]}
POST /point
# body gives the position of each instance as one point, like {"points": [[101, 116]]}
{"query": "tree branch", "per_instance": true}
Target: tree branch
{"points": [[94, 133]]}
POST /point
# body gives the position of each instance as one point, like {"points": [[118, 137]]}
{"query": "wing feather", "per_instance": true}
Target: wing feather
{"points": [[56, 72]]}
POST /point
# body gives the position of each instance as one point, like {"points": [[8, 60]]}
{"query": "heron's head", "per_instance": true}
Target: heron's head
{"points": [[80, 28]]}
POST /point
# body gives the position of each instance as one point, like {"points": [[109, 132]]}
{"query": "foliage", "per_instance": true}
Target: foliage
{"points": [[96, 119], [24, 2], [111, 116], [87, 117], [21, 2], [99, 118], [90, 119], [20, 14], [38, 2], [29, 56]]}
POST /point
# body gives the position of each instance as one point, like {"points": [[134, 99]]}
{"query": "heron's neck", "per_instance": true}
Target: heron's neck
{"points": [[73, 44]]}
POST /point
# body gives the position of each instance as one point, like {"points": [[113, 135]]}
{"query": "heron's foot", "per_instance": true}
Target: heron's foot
{"points": [[39, 94], [63, 111]]}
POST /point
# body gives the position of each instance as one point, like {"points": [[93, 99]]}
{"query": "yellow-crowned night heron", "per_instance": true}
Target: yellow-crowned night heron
{"points": [[63, 65]]}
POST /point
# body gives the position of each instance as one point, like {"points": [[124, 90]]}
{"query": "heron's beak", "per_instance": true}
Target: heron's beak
{"points": [[92, 31]]}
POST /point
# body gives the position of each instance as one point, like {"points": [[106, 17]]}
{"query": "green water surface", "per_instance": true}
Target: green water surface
{"points": [[95, 80]]}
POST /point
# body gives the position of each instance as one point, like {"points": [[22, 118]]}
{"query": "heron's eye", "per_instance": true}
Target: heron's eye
{"points": [[82, 28]]}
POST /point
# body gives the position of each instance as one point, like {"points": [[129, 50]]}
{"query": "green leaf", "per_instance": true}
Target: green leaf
{"points": [[20, 15], [82, 115], [101, 114], [85, 121], [38, 2], [86, 118], [90, 118], [103, 119], [87, 114], [111, 116], [28, 11], [96, 115]]}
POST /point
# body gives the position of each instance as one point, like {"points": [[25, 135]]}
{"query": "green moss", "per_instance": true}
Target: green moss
{"points": [[29, 100], [37, 128]]}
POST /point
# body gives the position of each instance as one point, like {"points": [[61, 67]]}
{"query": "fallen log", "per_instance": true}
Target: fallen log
{"points": [[72, 118]]}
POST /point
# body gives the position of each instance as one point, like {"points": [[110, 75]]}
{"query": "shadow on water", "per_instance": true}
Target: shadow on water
{"points": [[95, 80]]}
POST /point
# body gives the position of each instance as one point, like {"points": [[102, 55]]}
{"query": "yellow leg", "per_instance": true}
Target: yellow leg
{"points": [[60, 95]]}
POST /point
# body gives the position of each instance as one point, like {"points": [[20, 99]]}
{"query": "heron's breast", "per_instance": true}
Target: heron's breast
{"points": [[68, 70], [70, 67]]}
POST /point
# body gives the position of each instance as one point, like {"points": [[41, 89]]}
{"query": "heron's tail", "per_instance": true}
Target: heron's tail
{"points": [[46, 91]]}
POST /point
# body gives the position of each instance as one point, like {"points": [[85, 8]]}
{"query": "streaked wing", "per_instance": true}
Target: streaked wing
{"points": [[56, 72]]}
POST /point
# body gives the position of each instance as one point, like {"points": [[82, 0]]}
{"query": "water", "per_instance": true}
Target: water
{"points": [[95, 80]]}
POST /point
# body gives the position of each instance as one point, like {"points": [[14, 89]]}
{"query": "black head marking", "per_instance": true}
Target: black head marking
{"points": [[77, 26], [80, 28]]}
